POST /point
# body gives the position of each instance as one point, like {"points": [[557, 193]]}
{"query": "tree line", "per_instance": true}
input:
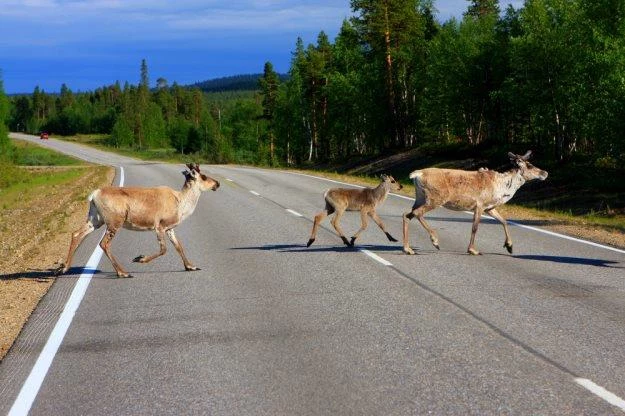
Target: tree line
{"points": [[548, 76]]}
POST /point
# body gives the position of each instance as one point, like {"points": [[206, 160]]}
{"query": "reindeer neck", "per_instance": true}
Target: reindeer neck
{"points": [[381, 191], [511, 180], [189, 196]]}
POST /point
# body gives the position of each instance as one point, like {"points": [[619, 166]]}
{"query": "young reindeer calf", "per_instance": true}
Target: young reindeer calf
{"points": [[141, 209], [364, 200], [478, 191]]}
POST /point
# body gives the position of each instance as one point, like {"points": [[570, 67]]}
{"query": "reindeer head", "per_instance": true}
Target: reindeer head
{"points": [[392, 183], [194, 176], [528, 171]]}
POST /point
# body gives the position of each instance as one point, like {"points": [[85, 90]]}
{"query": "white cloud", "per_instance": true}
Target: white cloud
{"points": [[275, 20]]}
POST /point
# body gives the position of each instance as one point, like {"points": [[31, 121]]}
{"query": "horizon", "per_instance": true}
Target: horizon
{"points": [[85, 44]]}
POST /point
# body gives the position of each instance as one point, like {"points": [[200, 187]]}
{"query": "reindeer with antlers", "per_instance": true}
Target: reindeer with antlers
{"points": [[142, 209], [478, 191]]}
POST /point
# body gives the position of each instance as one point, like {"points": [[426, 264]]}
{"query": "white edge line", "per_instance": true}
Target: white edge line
{"points": [[254, 193], [33, 383], [297, 214], [375, 257], [539, 230], [229, 180], [30, 389], [566, 237], [609, 397]]}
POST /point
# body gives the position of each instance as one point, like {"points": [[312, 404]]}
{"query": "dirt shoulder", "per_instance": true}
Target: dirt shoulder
{"points": [[34, 236]]}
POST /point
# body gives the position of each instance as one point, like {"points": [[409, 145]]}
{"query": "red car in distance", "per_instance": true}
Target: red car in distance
{"points": [[43, 135]]}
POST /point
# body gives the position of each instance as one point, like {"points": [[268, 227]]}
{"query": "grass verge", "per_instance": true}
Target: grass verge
{"points": [[39, 207]]}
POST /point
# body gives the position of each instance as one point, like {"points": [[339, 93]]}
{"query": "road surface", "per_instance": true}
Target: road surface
{"points": [[270, 327]]}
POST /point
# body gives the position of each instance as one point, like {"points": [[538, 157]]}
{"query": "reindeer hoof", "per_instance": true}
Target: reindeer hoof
{"points": [[191, 268], [408, 251], [139, 259], [346, 241], [474, 252], [508, 247], [124, 276], [351, 243], [60, 270], [390, 238], [437, 246], [312, 240]]}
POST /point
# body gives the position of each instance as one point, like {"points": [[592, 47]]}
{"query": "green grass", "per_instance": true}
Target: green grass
{"points": [[98, 141], [14, 194], [27, 154]]}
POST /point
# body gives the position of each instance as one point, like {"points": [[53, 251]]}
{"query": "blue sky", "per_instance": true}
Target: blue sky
{"points": [[90, 43]]}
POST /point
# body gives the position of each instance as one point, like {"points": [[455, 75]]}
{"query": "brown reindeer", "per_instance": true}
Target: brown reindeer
{"points": [[141, 209], [478, 191], [364, 200]]}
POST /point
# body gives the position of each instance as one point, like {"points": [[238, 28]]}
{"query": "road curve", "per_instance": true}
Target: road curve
{"points": [[269, 326]]}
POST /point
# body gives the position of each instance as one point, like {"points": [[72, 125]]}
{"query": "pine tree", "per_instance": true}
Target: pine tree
{"points": [[481, 8], [269, 84]]}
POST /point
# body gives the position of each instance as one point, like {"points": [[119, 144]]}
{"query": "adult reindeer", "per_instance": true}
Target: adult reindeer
{"points": [[478, 191], [141, 209], [364, 200]]}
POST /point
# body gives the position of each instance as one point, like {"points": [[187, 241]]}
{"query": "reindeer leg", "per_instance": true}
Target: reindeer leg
{"points": [[94, 221], [433, 236], [160, 235], [419, 212], [318, 218], [477, 214], [77, 237], [105, 244], [187, 264], [405, 220], [337, 226], [378, 220], [363, 226], [508, 243]]}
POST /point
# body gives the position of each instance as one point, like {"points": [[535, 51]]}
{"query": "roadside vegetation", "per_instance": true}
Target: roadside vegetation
{"points": [[42, 199]]}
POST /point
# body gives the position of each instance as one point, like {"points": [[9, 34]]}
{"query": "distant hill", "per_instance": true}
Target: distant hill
{"points": [[233, 83]]}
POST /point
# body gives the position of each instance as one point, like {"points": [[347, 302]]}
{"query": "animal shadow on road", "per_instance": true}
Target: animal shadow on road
{"points": [[47, 274], [31, 274], [301, 248], [572, 260]]}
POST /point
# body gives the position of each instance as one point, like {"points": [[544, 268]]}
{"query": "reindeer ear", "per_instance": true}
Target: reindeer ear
{"points": [[526, 155], [512, 156], [190, 166], [196, 167]]}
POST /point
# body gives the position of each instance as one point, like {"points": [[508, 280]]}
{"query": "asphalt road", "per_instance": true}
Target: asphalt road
{"points": [[271, 327]]}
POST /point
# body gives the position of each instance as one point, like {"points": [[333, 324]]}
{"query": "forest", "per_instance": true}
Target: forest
{"points": [[549, 76]]}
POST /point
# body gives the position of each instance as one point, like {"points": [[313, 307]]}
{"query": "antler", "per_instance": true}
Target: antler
{"points": [[525, 157]]}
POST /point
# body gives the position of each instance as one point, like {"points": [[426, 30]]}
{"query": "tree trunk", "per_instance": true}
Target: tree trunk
{"points": [[389, 75]]}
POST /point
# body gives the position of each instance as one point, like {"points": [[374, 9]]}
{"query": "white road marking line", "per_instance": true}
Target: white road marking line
{"points": [[229, 180], [609, 397], [516, 224], [30, 389], [566, 237], [254, 193], [375, 257], [297, 214]]}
